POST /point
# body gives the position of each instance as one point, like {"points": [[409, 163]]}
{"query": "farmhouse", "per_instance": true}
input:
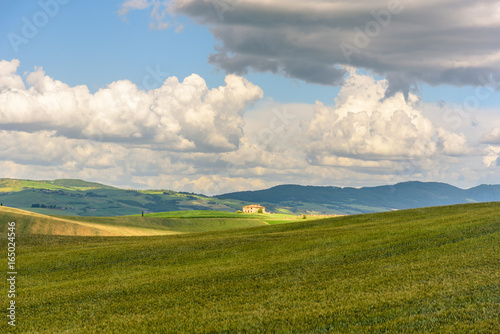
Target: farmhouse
{"points": [[254, 208]]}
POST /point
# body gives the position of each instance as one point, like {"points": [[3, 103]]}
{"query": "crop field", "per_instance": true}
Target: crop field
{"points": [[412, 271]]}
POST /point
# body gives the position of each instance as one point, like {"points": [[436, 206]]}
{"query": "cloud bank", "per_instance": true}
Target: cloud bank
{"points": [[186, 136], [436, 42]]}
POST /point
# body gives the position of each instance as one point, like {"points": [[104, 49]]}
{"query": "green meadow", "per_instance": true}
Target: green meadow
{"points": [[150, 224], [413, 271]]}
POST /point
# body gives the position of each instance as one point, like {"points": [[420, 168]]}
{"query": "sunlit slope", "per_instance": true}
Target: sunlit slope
{"points": [[15, 185], [269, 218], [417, 271], [34, 223], [188, 224]]}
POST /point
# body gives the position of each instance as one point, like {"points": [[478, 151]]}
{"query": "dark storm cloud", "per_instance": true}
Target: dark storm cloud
{"points": [[437, 42]]}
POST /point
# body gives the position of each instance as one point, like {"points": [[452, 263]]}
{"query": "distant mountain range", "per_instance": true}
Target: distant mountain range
{"points": [[368, 199], [77, 197]]}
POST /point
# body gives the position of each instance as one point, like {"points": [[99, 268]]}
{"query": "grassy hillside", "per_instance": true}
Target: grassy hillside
{"points": [[415, 271], [268, 218], [274, 218], [154, 224], [33, 223], [14, 185], [178, 225], [81, 198]]}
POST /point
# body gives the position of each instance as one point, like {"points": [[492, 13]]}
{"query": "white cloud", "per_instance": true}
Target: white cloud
{"points": [[186, 136], [160, 10], [453, 144], [133, 5], [205, 184], [492, 157], [41, 147], [177, 116], [492, 137], [367, 127], [8, 77]]}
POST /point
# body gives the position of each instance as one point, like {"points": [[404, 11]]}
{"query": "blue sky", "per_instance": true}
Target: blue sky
{"points": [[89, 43], [286, 60]]}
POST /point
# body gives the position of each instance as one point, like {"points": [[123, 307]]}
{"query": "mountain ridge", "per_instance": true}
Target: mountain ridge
{"points": [[404, 195]]}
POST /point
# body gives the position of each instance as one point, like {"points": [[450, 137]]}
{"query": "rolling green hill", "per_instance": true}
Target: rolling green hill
{"points": [[13, 185], [34, 223], [156, 224], [81, 198], [413, 271]]}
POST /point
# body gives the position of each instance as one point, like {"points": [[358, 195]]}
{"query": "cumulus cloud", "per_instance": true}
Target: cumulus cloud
{"points": [[453, 144], [492, 159], [182, 116], [365, 136], [46, 148], [367, 129], [8, 77], [438, 42]]}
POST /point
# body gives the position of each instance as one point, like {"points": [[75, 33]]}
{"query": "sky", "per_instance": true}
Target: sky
{"points": [[215, 96]]}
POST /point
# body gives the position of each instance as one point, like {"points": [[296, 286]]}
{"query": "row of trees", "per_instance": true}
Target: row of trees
{"points": [[50, 206]]}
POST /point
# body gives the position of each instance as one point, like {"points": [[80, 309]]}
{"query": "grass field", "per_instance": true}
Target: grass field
{"points": [[152, 224], [33, 223], [270, 218], [414, 271]]}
